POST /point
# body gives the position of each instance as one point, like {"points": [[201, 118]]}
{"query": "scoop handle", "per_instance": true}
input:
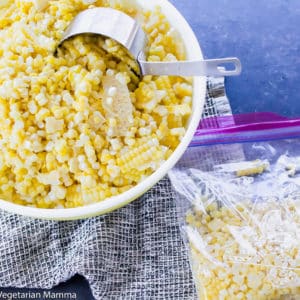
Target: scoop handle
{"points": [[230, 66]]}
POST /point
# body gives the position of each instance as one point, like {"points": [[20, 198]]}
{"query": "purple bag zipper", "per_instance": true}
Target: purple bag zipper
{"points": [[245, 128]]}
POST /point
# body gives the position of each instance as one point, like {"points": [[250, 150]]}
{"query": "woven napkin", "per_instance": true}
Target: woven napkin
{"points": [[133, 253]]}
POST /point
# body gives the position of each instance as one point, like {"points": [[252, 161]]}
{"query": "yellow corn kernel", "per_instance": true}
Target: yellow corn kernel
{"points": [[164, 83], [179, 109], [50, 104]]}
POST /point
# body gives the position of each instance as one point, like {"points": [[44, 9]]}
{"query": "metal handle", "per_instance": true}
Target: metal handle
{"points": [[209, 67]]}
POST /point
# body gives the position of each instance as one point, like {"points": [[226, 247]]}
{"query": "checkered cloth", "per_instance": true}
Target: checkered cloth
{"points": [[133, 253]]}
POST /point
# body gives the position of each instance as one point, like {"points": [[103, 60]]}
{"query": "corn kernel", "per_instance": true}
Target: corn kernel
{"points": [[83, 117]]}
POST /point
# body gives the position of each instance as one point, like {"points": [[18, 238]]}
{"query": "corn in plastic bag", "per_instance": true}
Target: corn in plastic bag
{"points": [[242, 222]]}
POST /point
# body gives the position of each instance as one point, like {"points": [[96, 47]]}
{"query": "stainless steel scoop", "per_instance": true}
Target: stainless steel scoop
{"points": [[125, 30]]}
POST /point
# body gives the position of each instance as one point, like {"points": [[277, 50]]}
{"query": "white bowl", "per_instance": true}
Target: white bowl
{"points": [[199, 88]]}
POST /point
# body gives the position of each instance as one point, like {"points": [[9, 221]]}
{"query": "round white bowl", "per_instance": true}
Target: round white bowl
{"points": [[199, 88]]}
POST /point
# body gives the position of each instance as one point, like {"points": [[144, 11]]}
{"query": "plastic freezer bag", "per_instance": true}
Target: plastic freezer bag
{"points": [[239, 208]]}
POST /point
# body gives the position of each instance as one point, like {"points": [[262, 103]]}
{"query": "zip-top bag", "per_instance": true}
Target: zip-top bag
{"points": [[238, 200]]}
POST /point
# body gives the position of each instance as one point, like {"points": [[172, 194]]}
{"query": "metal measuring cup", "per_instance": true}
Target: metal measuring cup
{"points": [[126, 31]]}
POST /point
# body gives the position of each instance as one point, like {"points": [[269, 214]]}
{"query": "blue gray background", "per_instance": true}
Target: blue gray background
{"points": [[265, 35]]}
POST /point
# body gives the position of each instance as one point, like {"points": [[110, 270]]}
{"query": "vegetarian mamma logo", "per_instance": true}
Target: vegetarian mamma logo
{"points": [[36, 295]]}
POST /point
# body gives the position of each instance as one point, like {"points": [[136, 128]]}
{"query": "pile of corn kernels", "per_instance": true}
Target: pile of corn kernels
{"points": [[247, 251], [78, 127]]}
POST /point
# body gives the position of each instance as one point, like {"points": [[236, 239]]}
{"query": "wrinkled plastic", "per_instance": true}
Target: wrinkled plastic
{"points": [[239, 208]]}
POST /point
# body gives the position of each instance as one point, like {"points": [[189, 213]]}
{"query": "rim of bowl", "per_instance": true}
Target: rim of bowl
{"points": [[118, 201]]}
